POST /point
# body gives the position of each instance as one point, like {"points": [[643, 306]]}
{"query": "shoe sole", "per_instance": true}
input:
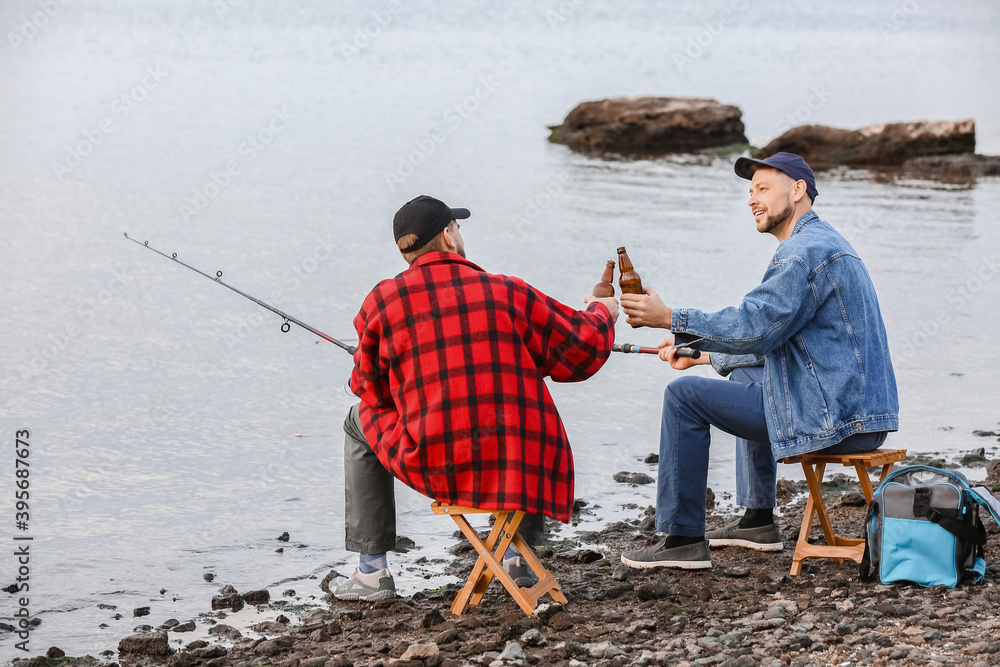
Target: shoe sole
{"points": [[354, 597], [758, 546], [680, 564]]}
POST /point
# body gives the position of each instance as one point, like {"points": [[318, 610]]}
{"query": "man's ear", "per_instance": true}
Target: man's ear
{"points": [[448, 240], [798, 191]]}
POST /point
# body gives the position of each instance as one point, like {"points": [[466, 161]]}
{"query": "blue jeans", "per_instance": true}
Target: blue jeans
{"points": [[692, 404]]}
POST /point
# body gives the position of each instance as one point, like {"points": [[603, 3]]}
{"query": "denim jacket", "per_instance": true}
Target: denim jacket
{"points": [[815, 325]]}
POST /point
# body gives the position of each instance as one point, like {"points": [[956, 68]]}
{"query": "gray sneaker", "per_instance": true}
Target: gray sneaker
{"points": [[688, 557], [367, 587], [763, 538], [520, 572]]}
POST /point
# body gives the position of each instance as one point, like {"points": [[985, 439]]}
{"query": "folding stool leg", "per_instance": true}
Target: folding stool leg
{"points": [[815, 478], [547, 582], [804, 531], [866, 481], [500, 539], [486, 564]]}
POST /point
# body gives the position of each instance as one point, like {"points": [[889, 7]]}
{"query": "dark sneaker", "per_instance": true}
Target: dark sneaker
{"points": [[763, 538], [367, 587], [520, 572], [688, 557]]}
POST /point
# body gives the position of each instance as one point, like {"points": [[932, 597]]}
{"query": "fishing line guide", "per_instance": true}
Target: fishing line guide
{"points": [[288, 320]]}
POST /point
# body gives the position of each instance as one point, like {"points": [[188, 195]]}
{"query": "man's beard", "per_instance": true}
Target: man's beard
{"points": [[777, 219]]}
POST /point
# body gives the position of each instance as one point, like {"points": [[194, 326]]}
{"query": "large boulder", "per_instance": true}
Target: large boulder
{"points": [[650, 125], [881, 145]]}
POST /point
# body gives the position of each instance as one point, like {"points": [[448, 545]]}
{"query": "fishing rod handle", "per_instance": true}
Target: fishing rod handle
{"points": [[630, 348]]}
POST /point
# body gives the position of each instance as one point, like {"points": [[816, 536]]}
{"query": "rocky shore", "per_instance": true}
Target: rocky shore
{"points": [[745, 611]]}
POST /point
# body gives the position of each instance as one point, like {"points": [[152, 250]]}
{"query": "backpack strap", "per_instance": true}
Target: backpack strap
{"points": [[984, 498], [867, 570], [962, 529]]}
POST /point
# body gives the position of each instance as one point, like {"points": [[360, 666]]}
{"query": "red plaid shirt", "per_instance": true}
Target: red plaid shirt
{"points": [[449, 369]]}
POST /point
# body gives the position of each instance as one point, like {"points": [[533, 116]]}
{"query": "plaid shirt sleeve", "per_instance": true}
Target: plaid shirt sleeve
{"points": [[567, 345], [450, 370]]}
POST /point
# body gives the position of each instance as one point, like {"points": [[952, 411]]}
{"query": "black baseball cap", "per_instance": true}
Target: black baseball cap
{"points": [[425, 217], [789, 163]]}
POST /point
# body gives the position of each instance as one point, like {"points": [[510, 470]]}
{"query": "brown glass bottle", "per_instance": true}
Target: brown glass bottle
{"points": [[605, 288], [630, 282]]}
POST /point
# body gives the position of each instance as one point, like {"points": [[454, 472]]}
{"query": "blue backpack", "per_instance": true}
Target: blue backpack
{"points": [[923, 526]]}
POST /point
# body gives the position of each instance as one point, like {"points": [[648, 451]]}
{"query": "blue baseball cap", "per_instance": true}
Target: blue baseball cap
{"points": [[789, 163]]}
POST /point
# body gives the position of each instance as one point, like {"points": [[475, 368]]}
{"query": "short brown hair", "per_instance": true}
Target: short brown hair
{"points": [[434, 245]]}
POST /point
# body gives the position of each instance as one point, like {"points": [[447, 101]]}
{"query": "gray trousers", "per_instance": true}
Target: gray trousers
{"points": [[370, 501]]}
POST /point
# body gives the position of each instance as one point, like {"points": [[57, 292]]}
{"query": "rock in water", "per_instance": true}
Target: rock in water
{"points": [[234, 602], [881, 145], [146, 643], [263, 596], [650, 125], [632, 478], [325, 584]]}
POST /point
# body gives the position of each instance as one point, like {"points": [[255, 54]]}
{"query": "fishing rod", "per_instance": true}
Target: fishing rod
{"points": [[630, 348], [285, 326]]}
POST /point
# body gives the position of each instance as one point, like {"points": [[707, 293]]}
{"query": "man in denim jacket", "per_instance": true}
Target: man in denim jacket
{"points": [[809, 368]]}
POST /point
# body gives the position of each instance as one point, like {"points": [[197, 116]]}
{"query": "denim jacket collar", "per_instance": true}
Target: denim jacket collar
{"points": [[806, 218]]}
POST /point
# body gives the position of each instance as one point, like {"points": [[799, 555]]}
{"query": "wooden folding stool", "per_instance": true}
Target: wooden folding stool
{"points": [[490, 561], [837, 547]]}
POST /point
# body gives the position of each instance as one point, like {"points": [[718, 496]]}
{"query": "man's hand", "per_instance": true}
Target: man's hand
{"points": [[646, 310], [668, 353], [608, 301]]}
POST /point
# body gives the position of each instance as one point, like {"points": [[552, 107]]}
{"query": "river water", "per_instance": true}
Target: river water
{"points": [[273, 141]]}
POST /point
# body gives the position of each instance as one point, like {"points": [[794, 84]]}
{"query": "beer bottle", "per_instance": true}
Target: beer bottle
{"points": [[629, 281], [605, 288]]}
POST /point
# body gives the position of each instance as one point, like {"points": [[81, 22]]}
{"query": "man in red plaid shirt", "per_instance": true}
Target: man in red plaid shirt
{"points": [[450, 371]]}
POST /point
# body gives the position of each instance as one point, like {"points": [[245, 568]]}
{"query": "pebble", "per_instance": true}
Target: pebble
{"points": [[420, 652], [534, 637], [225, 631], [512, 652]]}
